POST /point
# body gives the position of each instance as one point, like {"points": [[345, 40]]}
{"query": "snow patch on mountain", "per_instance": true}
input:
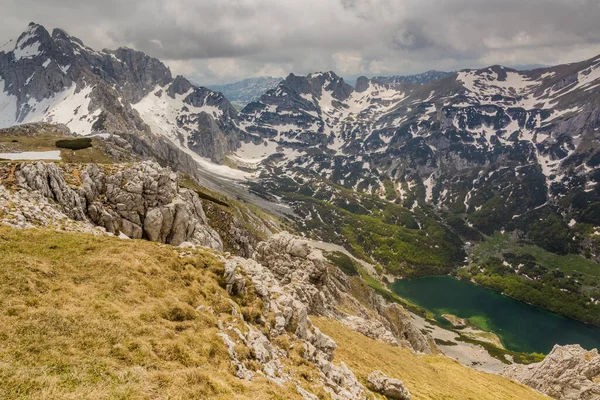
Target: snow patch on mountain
{"points": [[8, 107], [163, 113]]}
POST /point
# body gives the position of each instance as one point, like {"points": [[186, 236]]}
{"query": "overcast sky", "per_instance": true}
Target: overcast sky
{"points": [[216, 41]]}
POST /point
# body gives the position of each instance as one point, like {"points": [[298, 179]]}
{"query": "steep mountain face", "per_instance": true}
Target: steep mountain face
{"points": [[56, 78], [500, 147], [568, 372], [248, 90]]}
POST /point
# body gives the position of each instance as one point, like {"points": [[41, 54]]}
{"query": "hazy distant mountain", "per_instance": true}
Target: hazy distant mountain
{"points": [[419, 79], [246, 91]]}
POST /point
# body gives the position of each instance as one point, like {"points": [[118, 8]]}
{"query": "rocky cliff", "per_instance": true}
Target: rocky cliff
{"points": [[295, 281], [567, 373], [140, 201]]}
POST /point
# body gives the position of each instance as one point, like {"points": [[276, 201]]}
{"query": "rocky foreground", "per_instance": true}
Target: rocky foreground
{"points": [[292, 279], [568, 372], [139, 201]]}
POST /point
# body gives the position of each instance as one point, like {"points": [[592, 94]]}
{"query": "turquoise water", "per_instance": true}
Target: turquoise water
{"points": [[520, 326]]}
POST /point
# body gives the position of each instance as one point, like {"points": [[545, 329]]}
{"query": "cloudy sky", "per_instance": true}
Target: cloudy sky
{"points": [[216, 41]]}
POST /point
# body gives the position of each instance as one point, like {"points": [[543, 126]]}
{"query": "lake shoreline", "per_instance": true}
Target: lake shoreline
{"points": [[499, 292], [516, 322]]}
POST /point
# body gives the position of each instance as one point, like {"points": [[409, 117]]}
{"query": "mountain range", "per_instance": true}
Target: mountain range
{"points": [[490, 175], [248, 90], [498, 147]]}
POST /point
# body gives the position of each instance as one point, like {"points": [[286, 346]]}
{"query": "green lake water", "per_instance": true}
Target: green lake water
{"points": [[521, 327]]}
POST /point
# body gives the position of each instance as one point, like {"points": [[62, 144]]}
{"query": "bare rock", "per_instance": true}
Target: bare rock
{"points": [[455, 321], [143, 201], [371, 328], [391, 388], [234, 282], [567, 373], [49, 180]]}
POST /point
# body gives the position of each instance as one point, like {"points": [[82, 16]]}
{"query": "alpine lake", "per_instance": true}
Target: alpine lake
{"points": [[521, 327]]}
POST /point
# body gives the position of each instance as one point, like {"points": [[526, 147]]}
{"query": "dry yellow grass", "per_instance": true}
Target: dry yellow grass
{"points": [[85, 317], [432, 377]]}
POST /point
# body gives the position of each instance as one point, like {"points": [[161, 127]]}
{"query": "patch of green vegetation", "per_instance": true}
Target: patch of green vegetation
{"points": [[208, 197], [481, 322], [343, 262], [442, 342], [498, 244], [561, 283], [390, 191], [74, 144], [404, 242], [387, 233], [501, 354]]}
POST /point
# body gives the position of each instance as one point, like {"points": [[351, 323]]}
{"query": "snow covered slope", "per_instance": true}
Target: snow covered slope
{"points": [[56, 78], [503, 147]]}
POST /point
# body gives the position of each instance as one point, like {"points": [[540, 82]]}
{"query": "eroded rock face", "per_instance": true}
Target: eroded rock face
{"points": [[391, 388], [567, 373], [294, 280], [141, 201], [307, 277], [50, 181], [285, 274], [25, 209]]}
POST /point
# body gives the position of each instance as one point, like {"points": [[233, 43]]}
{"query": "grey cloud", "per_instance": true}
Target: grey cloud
{"points": [[220, 40]]}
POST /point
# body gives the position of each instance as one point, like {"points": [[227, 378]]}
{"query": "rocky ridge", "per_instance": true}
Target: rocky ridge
{"points": [[495, 147], [140, 201], [567, 373], [294, 281], [54, 77]]}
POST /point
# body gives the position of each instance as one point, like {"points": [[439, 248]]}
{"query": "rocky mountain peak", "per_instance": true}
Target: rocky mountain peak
{"points": [[362, 84], [314, 84], [33, 42], [136, 72], [179, 86], [58, 79]]}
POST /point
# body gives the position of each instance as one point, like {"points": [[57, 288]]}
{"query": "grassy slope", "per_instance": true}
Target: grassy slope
{"points": [[98, 317], [497, 244], [426, 376]]}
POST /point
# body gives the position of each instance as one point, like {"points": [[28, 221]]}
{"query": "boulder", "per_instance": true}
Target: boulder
{"points": [[391, 388]]}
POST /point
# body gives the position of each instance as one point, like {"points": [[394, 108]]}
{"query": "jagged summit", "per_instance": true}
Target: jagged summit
{"points": [[56, 78]]}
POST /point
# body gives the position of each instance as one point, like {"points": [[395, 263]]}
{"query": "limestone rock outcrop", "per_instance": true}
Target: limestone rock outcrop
{"points": [[306, 275], [139, 201], [567, 373], [391, 388], [26, 209], [295, 280]]}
